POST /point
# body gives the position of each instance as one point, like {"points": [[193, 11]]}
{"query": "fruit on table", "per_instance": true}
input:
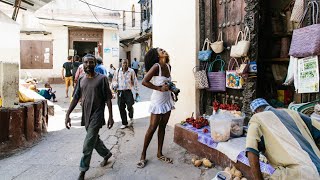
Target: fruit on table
{"points": [[237, 173], [207, 163], [205, 130], [198, 123], [197, 163], [230, 107], [193, 160]]}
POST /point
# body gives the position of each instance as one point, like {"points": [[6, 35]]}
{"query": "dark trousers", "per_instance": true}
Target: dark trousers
{"points": [[125, 99], [92, 141], [136, 71]]}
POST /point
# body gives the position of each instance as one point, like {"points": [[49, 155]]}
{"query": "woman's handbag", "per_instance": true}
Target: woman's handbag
{"points": [[241, 48], [217, 80], [217, 46], [244, 66], [306, 41], [205, 55], [201, 77], [297, 11], [233, 79]]}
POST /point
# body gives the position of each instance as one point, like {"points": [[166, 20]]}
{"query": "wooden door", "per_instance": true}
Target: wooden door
{"points": [[36, 54], [129, 58], [228, 17]]}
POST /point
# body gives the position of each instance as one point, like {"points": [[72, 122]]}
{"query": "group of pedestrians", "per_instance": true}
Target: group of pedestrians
{"points": [[94, 91]]}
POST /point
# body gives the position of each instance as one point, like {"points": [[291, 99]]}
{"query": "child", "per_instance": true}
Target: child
{"points": [[48, 93]]}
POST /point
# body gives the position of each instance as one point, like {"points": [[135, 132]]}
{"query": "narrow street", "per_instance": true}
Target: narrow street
{"points": [[58, 154]]}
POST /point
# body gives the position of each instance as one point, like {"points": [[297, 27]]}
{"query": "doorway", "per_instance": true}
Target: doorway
{"points": [[129, 57], [82, 48]]}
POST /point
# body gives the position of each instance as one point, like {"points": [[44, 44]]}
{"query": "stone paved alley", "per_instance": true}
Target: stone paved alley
{"points": [[58, 154]]}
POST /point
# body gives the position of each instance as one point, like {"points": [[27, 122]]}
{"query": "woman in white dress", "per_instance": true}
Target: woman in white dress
{"points": [[158, 69]]}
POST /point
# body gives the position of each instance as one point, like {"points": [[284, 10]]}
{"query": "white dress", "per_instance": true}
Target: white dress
{"points": [[161, 102]]}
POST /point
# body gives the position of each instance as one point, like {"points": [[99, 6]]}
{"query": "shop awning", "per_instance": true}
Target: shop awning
{"points": [[136, 39]]}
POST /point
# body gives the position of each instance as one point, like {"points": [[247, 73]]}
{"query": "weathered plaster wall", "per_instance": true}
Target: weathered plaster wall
{"points": [[9, 60], [178, 36], [110, 41]]}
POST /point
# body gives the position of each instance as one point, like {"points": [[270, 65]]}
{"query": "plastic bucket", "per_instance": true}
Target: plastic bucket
{"points": [[222, 175]]}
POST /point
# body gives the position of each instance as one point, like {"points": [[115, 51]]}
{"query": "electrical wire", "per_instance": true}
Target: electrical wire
{"points": [[117, 10], [95, 15]]}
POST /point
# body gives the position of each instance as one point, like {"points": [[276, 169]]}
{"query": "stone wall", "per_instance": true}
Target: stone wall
{"points": [[22, 126]]}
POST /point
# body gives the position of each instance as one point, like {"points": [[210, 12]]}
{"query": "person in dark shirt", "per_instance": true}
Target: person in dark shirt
{"points": [[75, 65], [94, 92], [67, 74]]}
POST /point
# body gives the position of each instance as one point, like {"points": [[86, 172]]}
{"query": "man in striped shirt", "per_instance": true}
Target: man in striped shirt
{"points": [[124, 80], [287, 138]]}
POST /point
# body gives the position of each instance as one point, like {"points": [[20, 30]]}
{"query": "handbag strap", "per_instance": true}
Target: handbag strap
{"points": [[206, 42], [315, 6], [199, 67], [240, 32], [234, 61], [246, 60], [222, 63], [220, 36], [246, 34]]}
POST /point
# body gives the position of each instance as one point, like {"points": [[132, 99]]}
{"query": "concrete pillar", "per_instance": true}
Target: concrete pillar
{"points": [[9, 60], [9, 83]]}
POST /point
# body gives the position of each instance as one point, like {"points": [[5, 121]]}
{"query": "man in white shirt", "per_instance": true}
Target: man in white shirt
{"points": [[124, 80]]}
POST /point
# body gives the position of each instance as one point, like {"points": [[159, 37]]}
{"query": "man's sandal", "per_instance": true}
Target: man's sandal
{"points": [[142, 163], [165, 159]]}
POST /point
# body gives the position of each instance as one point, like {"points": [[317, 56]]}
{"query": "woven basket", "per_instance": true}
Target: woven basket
{"points": [[217, 80]]}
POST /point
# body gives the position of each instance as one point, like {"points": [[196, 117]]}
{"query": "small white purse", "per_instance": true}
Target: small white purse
{"points": [[217, 46], [241, 48]]}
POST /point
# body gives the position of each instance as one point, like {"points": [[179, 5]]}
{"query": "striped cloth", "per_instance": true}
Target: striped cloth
{"points": [[289, 141]]}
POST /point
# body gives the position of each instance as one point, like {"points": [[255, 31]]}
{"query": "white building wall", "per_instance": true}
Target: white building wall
{"points": [[59, 39], [109, 42], [177, 34], [9, 60]]}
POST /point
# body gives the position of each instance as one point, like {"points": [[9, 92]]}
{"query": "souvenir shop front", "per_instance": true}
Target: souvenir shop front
{"points": [[250, 49]]}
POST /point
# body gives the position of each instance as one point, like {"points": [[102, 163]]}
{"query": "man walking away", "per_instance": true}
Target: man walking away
{"points": [[94, 92], [123, 81], [100, 68], [67, 74], [135, 66], [75, 65]]}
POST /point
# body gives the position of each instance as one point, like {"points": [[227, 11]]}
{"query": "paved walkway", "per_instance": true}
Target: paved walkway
{"points": [[58, 154]]}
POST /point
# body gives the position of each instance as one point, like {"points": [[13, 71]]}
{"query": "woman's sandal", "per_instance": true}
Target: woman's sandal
{"points": [[142, 163], [165, 159]]}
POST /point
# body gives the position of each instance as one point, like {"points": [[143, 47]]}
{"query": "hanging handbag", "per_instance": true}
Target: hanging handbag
{"points": [[297, 11], [306, 40], [241, 48], [244, 66], [200, 76], [233, 79], [217, 80], [217, 46], [205, 55]]}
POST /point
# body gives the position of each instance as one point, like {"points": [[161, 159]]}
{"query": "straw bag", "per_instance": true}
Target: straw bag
{"points": [[233, 79], [297, 11], [217, 46], [205, 55], [306, 41], [217, 80], [241, 48], [201, 77]]}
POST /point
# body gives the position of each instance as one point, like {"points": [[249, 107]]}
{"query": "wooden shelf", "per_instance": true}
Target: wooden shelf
{"points": [[280, 35], [270, 60]]}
